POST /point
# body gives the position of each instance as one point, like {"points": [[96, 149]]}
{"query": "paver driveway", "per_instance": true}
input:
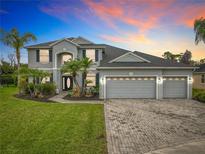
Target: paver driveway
{"points": [[140, 126]]}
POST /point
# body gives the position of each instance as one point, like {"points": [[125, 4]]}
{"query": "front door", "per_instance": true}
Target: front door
{"points": [[67, 83]]}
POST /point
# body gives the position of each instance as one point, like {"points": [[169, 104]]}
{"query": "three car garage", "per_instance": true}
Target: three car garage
{"points": [[146, 87]]}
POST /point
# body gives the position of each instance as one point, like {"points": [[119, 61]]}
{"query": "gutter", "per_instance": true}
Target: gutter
{"points": [[119, 68]]}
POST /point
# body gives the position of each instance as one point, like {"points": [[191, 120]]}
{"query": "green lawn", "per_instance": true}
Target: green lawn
{"points": [[33, 127]]}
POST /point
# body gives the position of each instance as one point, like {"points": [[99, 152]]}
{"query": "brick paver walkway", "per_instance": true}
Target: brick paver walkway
{"points": [[140, 126]]}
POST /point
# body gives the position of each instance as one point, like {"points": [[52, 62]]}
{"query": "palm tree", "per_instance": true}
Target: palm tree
{"points": [[73, 67], [199, 28], [15, 40], [85, 64]]}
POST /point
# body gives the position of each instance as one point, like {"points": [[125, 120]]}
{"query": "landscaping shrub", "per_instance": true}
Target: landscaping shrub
{"points": [[22, 85], [47, 88], [199, 94], [30, 89], [70, 93], [95, 90]]}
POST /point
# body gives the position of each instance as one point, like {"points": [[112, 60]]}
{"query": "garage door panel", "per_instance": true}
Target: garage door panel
{"points": [[131, 88], [174, 88]]}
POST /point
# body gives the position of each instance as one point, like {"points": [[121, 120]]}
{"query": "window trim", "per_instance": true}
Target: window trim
{"points": [[47, 62]]}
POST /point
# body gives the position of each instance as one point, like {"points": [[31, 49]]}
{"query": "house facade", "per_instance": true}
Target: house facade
{"points": [[119, 73], [199, 77]]}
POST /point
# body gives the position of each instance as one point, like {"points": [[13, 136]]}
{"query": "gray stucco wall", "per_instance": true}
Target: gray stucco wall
{"points": [[32, 60], [140, 72], [54, 66]]}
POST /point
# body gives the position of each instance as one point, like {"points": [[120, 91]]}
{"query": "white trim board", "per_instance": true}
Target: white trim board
{"points": [[61, 41], [113, 60]]}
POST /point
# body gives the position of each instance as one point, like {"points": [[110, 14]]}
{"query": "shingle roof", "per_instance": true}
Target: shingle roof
{"points": [[111, 53], [201, 68], [79, 40]]}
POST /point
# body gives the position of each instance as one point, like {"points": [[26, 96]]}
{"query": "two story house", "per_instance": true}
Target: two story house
{"points": [[118, 72]]}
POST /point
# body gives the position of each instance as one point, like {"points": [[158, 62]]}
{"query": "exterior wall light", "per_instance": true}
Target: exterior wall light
{"points": [[159, 80], [190, 80]]}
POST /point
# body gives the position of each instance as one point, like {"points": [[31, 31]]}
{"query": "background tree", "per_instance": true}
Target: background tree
{"points": [[186, 58], [13, 39], [12, 59], [202, 61], [170, 56], [85, 64], [199, 28]]}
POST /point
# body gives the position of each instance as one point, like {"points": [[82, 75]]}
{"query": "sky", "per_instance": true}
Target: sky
{"points": [[150, 26]]}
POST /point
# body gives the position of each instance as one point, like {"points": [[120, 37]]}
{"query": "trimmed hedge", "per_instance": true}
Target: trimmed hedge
{"points": [[8, 79], [199, 94]]}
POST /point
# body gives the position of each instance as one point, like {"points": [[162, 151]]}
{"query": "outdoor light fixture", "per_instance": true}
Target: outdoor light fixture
{"points": [[190, 80], [160, 80]]}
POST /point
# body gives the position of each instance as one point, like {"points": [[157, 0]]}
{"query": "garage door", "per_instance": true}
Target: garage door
{"points": [[174, 87], [131, 87]]}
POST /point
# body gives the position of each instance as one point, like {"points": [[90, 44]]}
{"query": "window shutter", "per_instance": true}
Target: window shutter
{"points": [[84, 53], [202, 78], [50, 55], [37, 55], [96, 55], [97, 79]]}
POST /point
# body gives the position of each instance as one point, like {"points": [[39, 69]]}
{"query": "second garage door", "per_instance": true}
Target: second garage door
{"points": [[131, 87], [174, 87]]}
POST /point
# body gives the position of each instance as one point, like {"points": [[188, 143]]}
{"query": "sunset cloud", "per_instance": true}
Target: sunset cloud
{"points": [[129, 38], [127, 21]]}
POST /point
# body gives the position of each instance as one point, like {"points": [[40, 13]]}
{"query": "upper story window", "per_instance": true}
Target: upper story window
{"points": [[65, 58], [203, 78], [91, 54], [44, 56]]}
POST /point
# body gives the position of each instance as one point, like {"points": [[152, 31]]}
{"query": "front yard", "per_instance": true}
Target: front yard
{"points": [[34, 127]]}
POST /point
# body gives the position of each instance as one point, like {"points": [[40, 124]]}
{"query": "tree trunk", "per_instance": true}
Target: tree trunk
{"points": [[76, 90], [18, 67], [84, 75]]}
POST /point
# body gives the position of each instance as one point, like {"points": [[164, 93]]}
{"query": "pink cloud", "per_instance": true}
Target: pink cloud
{"points": [[127, 38]]}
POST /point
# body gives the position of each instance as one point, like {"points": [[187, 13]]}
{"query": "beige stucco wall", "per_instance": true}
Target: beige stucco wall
{"points": [[197, 81]]}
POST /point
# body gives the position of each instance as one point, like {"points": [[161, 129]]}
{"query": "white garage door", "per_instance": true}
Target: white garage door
{"points": [[131, 87], [175, 87]]}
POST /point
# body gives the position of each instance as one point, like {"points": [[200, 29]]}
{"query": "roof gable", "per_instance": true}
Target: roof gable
{"points": [[129, 57], [62, 41]]}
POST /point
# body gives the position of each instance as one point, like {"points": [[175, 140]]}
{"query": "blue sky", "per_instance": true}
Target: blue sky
{"points": [[153, 26]]}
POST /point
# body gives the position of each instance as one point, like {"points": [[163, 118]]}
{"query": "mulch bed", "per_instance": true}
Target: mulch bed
{"points": [[93, 98], [28, 97]]}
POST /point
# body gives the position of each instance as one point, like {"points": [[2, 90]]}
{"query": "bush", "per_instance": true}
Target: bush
{"points": [[199, 94], [30, 89], [95, 90], [22, 85], [7, 79], [47, 88], [70, 93]]}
